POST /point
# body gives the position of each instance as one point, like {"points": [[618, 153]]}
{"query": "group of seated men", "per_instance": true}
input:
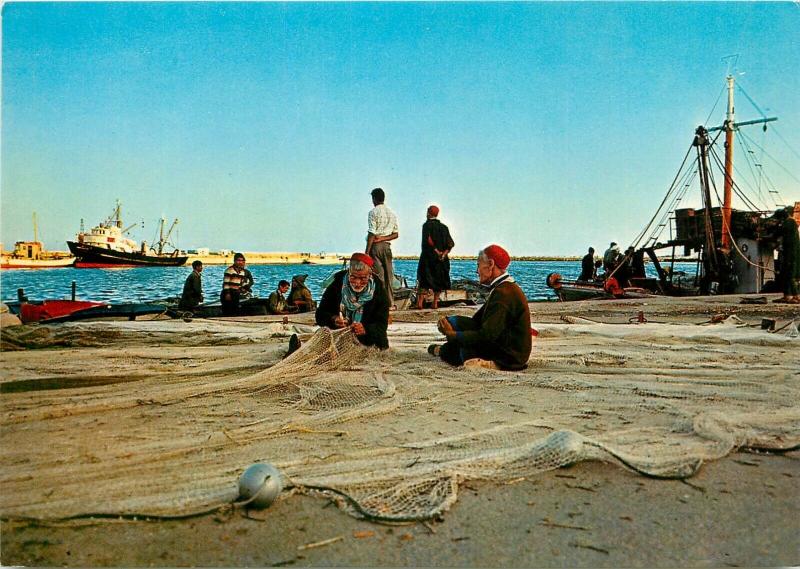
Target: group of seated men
{"points": [[237, 285], [497, 336]]}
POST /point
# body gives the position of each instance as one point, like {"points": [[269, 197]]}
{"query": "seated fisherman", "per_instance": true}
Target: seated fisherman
{"points": [[300, 297], [499, 334], [193, 288], [358, 300], [237, 284], [277, 300]]}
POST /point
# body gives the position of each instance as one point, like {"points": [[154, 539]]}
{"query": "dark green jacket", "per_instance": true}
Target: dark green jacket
{"points": [[503, 328], [276, 303], [192, 292]]}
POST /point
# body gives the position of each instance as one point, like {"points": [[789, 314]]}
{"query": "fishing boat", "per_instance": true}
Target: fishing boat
{"points": [[32, 255], [106, 246], [567, 291], [55, 311], [734, 250]]}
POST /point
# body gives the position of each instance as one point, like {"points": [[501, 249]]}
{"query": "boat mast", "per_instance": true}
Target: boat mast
{"points": [[118, 215], [35, 228], [161, 236], [727, 196], [165, 238], [730, 126], [710, 263]]}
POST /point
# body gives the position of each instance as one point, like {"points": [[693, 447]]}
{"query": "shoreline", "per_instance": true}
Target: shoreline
{"points": [[279, 258]]}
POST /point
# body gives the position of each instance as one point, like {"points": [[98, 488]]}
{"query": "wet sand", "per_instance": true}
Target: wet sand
{"points": [[737, 511]]}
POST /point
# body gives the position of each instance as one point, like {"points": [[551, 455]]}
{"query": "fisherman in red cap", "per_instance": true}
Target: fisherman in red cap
{"points": [[358, 300], [499, 334], [433, 271]]}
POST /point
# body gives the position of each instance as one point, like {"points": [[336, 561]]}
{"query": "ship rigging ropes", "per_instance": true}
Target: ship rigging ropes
{"points": [[675, 193], [688, 172], [388, 436]]}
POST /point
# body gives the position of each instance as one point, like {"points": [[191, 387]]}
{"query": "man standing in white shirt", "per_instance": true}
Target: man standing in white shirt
{"points": [[382, 228]]}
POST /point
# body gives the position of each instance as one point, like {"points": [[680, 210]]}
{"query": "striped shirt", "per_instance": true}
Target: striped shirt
{"points": [[235, 279], [381, 221]]}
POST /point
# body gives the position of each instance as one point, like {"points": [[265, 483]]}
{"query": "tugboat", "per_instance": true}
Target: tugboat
{"points": [[106, 246], [32, 255]]}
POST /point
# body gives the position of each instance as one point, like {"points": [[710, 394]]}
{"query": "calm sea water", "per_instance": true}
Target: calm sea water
{"points": [[151, 283]]}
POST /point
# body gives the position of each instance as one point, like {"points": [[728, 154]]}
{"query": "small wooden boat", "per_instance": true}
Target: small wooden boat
{"points": [[53, 311], [569, 291]]}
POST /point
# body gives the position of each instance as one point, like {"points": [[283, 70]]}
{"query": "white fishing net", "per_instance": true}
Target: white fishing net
{"points": [[389, 435]]}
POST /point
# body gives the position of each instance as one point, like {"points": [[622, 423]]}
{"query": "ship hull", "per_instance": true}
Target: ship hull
{"points": [[90, 257], [17, 263]]}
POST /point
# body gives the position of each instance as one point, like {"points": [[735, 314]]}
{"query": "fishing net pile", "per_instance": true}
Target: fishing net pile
{"points": [[389, 436]]}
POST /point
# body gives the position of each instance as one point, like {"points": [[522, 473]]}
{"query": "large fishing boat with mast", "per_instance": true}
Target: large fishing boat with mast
{"points": [[106, 246], [734, 249]]}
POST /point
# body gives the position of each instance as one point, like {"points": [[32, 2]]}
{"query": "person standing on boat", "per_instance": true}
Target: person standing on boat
{"points": [[381, 229], [498, 336], [587, 266], [789, 257], [193, 288], [611, 257], [637, 265], [300, 296], [237, 284], [625, 268], [277, 300], [433, 271]]}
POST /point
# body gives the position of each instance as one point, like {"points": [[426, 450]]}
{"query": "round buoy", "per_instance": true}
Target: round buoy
{"points": [[554, 280], [261, 483]]}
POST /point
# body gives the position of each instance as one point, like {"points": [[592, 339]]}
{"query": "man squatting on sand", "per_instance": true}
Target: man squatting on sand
{"points": [[499, 334], [356, 299]]}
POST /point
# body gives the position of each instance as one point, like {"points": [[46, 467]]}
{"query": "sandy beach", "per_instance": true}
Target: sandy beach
{"points": [[680, 418]]}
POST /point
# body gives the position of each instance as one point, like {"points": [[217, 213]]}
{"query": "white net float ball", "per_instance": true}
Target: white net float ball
{"points": [[262, 482]]}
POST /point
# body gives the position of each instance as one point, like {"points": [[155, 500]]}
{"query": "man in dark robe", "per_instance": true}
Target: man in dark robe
{"points": [[624, 268], [637, 265], [357, 299], [433, 271], [498, 336], [587, 266], [789, 257]]}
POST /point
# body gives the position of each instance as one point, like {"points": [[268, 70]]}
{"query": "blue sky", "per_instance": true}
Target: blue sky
{"points": [[545, 127]]}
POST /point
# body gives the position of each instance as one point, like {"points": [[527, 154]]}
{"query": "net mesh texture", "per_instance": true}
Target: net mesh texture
{"points": [[389, 436]]}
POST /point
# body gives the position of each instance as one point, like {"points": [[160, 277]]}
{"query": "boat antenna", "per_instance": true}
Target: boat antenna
{"points": [[731, 60]]}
